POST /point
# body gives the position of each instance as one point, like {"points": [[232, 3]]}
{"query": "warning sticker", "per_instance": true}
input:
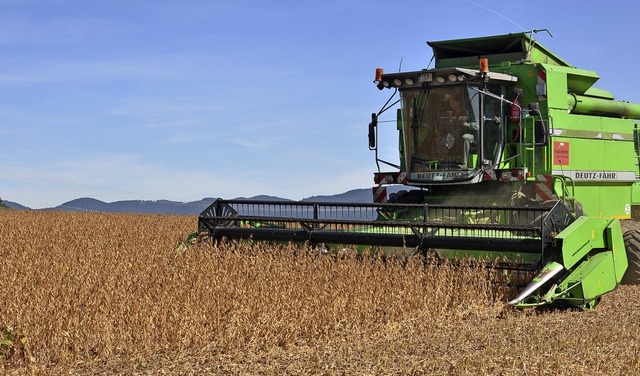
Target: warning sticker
{"points": [[561, 153]]}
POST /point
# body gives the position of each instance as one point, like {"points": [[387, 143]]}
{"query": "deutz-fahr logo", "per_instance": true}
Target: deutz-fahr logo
{"points": [[437, 175]]}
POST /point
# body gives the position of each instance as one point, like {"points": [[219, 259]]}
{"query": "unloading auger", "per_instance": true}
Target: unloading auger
{"points": [[508, 153]]}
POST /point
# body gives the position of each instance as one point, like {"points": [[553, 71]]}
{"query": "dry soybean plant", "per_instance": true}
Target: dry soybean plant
{"points": [[82, 291]]}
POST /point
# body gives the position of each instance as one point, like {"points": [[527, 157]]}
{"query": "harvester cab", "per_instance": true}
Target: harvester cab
{"points": [[508, 153], [454, 130]]}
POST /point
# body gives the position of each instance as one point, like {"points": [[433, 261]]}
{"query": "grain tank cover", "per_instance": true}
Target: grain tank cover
{"points": [[508, 47]]}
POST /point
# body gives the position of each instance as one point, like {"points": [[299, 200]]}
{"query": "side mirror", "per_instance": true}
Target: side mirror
{"points": [[372, 131]]}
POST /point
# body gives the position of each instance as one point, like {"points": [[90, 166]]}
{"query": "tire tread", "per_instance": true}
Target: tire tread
{"points": [[632, 247]]}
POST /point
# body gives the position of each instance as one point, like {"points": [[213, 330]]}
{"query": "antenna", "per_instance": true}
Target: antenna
{"points": [[496, 13], [533, 41], [539, 30]]}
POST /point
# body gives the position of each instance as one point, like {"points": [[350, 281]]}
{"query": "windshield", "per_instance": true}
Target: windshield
{"points": [[442, 131]]}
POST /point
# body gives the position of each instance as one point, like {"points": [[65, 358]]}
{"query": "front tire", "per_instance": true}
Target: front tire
{"points": [[632, 247]]}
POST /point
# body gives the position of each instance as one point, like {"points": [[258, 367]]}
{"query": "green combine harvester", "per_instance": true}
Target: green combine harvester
{"points": [[508, 153]]}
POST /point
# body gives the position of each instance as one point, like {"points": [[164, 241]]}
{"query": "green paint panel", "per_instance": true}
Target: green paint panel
{"points": [[589, 196], [556, 89], [615, 243], [592, 278], [583, 235], [615, 201], [602, 147]]}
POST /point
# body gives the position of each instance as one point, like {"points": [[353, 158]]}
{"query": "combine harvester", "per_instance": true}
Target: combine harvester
{"points": [[510, 153]]}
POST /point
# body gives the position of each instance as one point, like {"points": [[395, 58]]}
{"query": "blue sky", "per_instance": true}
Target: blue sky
{"points": [[183, 100]]}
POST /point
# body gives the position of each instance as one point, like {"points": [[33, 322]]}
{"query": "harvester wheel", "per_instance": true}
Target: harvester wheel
{"points": [[632, 246]]}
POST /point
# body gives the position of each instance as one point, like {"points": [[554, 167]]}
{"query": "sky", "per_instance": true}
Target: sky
{"points": [[182, 100]]}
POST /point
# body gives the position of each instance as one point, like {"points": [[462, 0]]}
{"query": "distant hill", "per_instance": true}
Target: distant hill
{"points": [[264, 198], [15, 205], [362, 195], [136, 206], [355, 195]]}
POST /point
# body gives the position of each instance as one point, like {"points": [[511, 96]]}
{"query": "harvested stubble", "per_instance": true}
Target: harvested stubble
{"points": [[88, 293]]}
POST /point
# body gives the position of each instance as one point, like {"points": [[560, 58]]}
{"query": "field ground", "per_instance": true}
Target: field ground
{"points": [[91, 293]]}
